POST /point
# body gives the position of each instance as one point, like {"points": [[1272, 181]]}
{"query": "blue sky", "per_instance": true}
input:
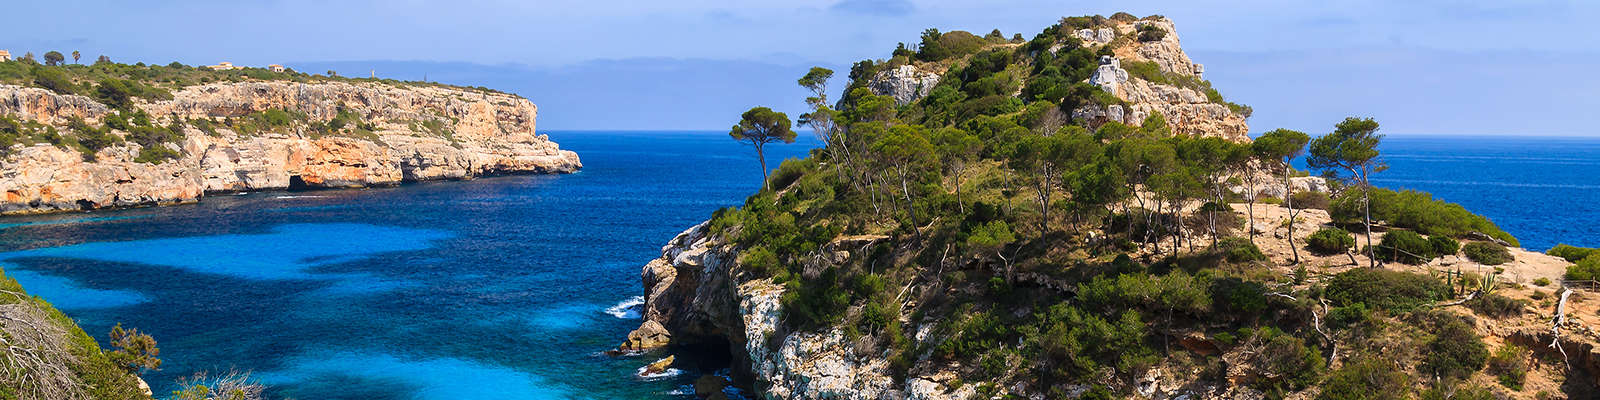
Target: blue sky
{"points": [[1420, 67]]}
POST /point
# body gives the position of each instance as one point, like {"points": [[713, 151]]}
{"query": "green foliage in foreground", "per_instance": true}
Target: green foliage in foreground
{"points": [[94, 371]]}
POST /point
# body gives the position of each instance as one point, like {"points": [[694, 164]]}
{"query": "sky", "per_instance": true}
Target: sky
{"points": [[1419, 67]]}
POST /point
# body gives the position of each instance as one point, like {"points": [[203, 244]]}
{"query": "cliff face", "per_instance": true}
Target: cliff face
{"points": [[695, 294], [419, 133], [1187, 110]]}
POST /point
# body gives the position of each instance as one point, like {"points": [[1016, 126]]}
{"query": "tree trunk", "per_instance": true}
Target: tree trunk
{"points": [[1288, 201], [911, 208], [960, 165], [762, 156], [1366, 208]]}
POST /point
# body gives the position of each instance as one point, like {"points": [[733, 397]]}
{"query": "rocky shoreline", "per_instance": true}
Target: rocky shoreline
{"points": [[419, 133]]}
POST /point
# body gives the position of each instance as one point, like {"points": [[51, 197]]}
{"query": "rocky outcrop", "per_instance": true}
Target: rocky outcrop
{"points": [[905, 83], [420, 132], [696, 293], [1187, 110], [46, 106]]}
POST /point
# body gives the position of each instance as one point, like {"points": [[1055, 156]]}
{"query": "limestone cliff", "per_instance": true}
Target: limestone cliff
{"points": [[413, 133], [695, 294], [1181, 99]]}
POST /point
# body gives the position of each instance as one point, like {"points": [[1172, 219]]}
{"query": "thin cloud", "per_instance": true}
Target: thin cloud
{"points": [[881, 8]]}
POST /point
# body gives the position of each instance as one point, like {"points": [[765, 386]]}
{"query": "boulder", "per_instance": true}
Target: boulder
{"points": [[659, 366], [650, 335]]}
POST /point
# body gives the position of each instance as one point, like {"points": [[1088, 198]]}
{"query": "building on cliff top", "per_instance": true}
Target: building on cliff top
{"points": [[5, 55], [275, 68], [222, 66]]}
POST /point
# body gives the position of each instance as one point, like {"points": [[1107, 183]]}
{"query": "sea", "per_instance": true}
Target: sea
{"points": [[513, 287]]}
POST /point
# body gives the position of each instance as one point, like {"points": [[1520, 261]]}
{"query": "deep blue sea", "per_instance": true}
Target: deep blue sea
{"points": [[509, 288], [496, 288], [1543, 190]]}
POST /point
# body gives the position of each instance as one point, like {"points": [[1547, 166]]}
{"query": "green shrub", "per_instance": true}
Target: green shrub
{"points": [[54, 80], [1384, 289], [938, 46], [1348, 316], [1311, 200], [1487, 253], [761, 261], [156, 154], [1404, 246], [1417, 211], [1151, 33], [1293, 364], [1443, 245], [1541, 282], [1510, 365], [1496, 306], [1366, 379], [787, 172], [1456, 351], [1240, 250], [1571, 253], [1330, 241], [1586, 269]]}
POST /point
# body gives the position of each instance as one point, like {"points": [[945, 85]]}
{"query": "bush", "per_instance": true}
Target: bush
{"points": [[1404, 246], [1443, 245], [1330, 241], [1366, 378], [1496, 306], [938, 46], [1487, 253], [1510, 365], [1311, 200], [1456, 351], [787, 172], [1384, 289], [54, 80], [1586, 269], [156, 154], [1151, 33], [1571, 253], [1240, 250], [1541, 282], [1417, 211], [1291, 362]]}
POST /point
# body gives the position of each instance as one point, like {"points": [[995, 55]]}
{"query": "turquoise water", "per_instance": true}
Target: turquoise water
{"points": [[509, 288], [497, 288]]}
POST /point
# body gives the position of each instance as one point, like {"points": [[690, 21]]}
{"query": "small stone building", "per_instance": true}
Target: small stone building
{"points": [[221, 66], [5, 55], [275, 68]]}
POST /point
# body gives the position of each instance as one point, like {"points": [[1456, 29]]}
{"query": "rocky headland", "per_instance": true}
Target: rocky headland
{"points": [[408, 132], [711, 288]]}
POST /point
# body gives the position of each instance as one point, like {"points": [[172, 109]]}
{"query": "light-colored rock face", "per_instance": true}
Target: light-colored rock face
{"points": [[46, 106], [483, 134], [905, 83], [1187, 111], [694, 290]]}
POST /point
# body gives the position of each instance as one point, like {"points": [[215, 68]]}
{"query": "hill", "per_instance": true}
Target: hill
{"points": [[1080, 215]]}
